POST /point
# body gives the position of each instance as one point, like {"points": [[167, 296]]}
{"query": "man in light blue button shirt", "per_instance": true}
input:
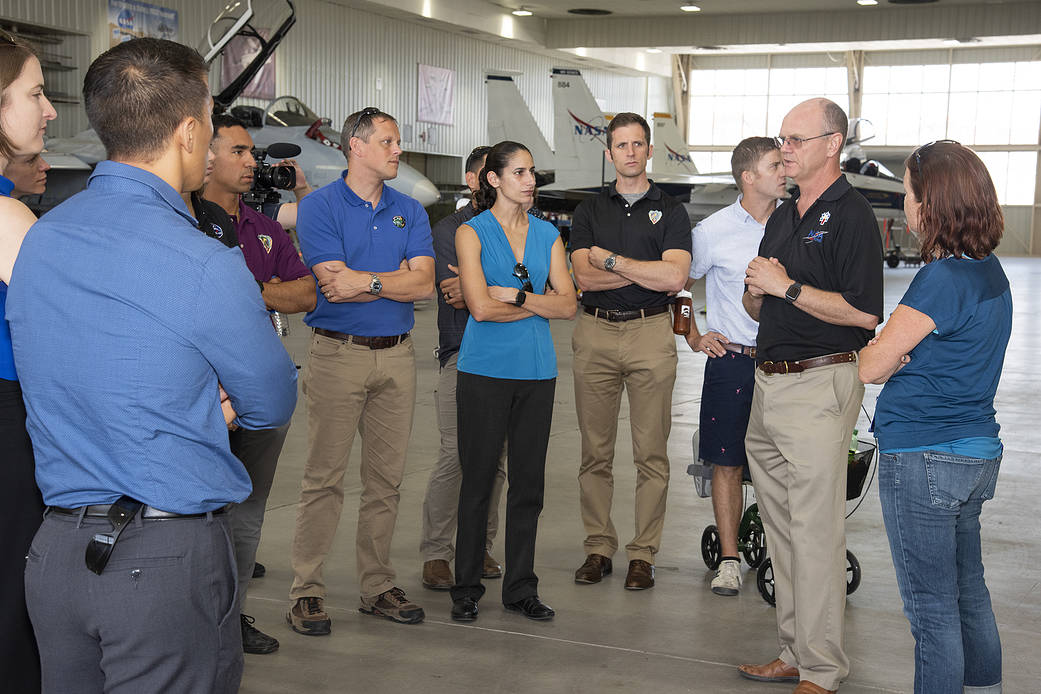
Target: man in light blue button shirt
{"points": [[124, 319], [724, 243]]}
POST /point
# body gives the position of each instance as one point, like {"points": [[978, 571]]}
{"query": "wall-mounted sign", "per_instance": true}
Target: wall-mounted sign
{"points": [[129, 19]]}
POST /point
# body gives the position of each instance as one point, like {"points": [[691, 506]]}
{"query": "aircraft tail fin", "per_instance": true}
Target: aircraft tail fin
{"points": [[579, 132], [509, 118], [671, 154]]}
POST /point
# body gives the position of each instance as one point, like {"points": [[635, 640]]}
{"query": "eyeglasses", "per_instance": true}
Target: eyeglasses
{"points": [[521, 273], [918, 152], [366, 114], [796, 142]]}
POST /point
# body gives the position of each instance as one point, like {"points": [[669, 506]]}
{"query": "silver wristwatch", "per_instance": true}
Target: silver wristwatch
{"points": [[375, 285], [610, 262]]}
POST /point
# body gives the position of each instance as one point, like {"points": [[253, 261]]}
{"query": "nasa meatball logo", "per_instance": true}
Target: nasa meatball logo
{"points": [[654, 216], [265, 241], [399, 221], [218, 233]]}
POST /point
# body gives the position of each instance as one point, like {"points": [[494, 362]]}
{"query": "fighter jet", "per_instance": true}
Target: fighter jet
{"points": [[286, 119]]}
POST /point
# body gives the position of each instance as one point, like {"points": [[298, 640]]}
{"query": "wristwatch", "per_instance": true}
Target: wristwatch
{"points": [[375, 285], [610, 261], [521, 296], [793, 292]]}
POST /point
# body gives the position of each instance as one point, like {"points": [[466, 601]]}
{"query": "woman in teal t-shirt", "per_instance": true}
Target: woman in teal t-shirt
{"points": [[507, 374], [940, 356]]}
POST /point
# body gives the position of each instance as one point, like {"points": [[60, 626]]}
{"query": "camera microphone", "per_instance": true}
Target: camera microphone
{"points": [[283, 150]]}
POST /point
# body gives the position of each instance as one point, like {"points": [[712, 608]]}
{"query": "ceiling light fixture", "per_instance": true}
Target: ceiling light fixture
{"points": [[867, 3], [522, 11], [654, 50], [690, 8]]}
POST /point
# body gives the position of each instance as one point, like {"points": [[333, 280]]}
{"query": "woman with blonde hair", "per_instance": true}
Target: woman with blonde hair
{"points": [[24, 112]]}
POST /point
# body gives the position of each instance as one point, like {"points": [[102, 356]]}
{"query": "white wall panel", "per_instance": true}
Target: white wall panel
{"points": [[334, 56]]}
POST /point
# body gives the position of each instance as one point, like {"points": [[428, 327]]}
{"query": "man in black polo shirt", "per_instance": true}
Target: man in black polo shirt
{"points": [[630, 247], [816, 290]]}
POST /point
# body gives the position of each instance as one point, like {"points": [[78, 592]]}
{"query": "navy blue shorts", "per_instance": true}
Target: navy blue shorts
{"points": [[726, 401]]}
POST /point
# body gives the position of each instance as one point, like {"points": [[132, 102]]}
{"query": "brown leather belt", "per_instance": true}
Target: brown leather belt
{"points": [[619, 315], [740, 349], [147, 512], [795, 367], [370, 342]]}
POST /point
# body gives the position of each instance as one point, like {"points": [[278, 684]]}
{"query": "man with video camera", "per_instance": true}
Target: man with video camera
{"points": [[287, 286]]}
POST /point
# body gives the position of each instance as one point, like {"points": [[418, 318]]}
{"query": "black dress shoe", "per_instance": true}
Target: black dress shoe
{"points": [[532, 608], [259, 570], [464, 610]]}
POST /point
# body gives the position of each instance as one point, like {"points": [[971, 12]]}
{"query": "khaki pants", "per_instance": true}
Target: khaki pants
{"points": [[441, 505], [640, 356], [352, 388], [797, 442]]}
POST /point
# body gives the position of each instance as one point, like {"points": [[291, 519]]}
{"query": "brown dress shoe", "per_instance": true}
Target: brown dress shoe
{"points": [[437, 575], [807, 687], [491, 568], [775, 671], [640, 576], [596, 567]]}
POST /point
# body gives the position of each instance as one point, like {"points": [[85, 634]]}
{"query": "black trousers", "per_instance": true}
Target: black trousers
{"points": [[491, 411], [22, 513]]}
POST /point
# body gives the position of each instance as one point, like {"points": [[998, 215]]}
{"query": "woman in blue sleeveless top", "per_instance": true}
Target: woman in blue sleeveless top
{"points": [[24, 112], [507, 374], [940, 356]]}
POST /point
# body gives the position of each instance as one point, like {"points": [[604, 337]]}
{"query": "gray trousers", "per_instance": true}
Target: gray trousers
{"points": [[258, 450], [441, 505], [162, 616]]}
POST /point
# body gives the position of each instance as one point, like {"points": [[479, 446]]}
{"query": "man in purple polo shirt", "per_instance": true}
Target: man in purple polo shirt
{"points": [[286, 285]]}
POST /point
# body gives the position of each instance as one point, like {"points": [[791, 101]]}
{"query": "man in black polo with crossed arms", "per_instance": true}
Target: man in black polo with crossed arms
{"points": [[816, 290], [630, 249]]}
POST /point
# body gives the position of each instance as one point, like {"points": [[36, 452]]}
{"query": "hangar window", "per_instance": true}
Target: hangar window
{"points": [[728, 105]]}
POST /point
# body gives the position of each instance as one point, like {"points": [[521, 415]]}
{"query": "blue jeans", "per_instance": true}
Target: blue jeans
{"points": [[931, 505]]}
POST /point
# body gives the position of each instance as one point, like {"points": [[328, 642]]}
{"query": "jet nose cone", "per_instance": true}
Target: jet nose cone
{"points": [[426, 193]]}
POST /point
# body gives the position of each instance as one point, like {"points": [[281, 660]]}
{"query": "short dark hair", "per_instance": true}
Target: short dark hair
{"points": [[224, 120], [497, 160], [959, 213], [628, 118], [360, 124], [14, 54], [476, 157], [835, 120], [138, 92], [747, 154]]}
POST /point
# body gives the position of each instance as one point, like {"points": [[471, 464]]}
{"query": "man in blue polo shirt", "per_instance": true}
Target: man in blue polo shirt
{"points": [[130, 581], [371, 250]]}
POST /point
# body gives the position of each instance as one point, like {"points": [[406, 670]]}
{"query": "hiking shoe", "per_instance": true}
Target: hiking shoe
{"points": [[254, 640], [394, 605], [728, 578], [491, 568], [309, 618]]}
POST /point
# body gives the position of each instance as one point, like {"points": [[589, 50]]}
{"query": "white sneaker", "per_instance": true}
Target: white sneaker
{"points": [[728, 578]]}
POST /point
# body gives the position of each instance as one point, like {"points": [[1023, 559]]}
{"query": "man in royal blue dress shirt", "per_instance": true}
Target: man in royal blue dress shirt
{"points": [[124, 320]]}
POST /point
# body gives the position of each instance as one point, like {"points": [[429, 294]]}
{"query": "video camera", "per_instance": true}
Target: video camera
{"points": [[268, 179]]}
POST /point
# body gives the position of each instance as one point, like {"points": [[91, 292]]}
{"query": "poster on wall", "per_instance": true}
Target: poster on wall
{"points": [[130, 19], [436, 95], [239, 53]]}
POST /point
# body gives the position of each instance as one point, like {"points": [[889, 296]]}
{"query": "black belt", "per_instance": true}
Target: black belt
{"points": [[364, 341], [147, 512], [119, 514], [619, 315]]}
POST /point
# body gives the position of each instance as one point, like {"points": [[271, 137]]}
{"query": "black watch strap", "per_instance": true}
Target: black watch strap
{"points": [[792, 294], [521, 296]]}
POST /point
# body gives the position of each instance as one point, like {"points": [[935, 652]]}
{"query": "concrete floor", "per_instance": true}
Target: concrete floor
{"points": [[677, 637]]}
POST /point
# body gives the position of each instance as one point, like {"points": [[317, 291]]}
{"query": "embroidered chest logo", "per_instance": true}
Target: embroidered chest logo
{"points": [[399, 221], [218, 233], [265, 241], [654, 216], [825, 217], [817, 235]]}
